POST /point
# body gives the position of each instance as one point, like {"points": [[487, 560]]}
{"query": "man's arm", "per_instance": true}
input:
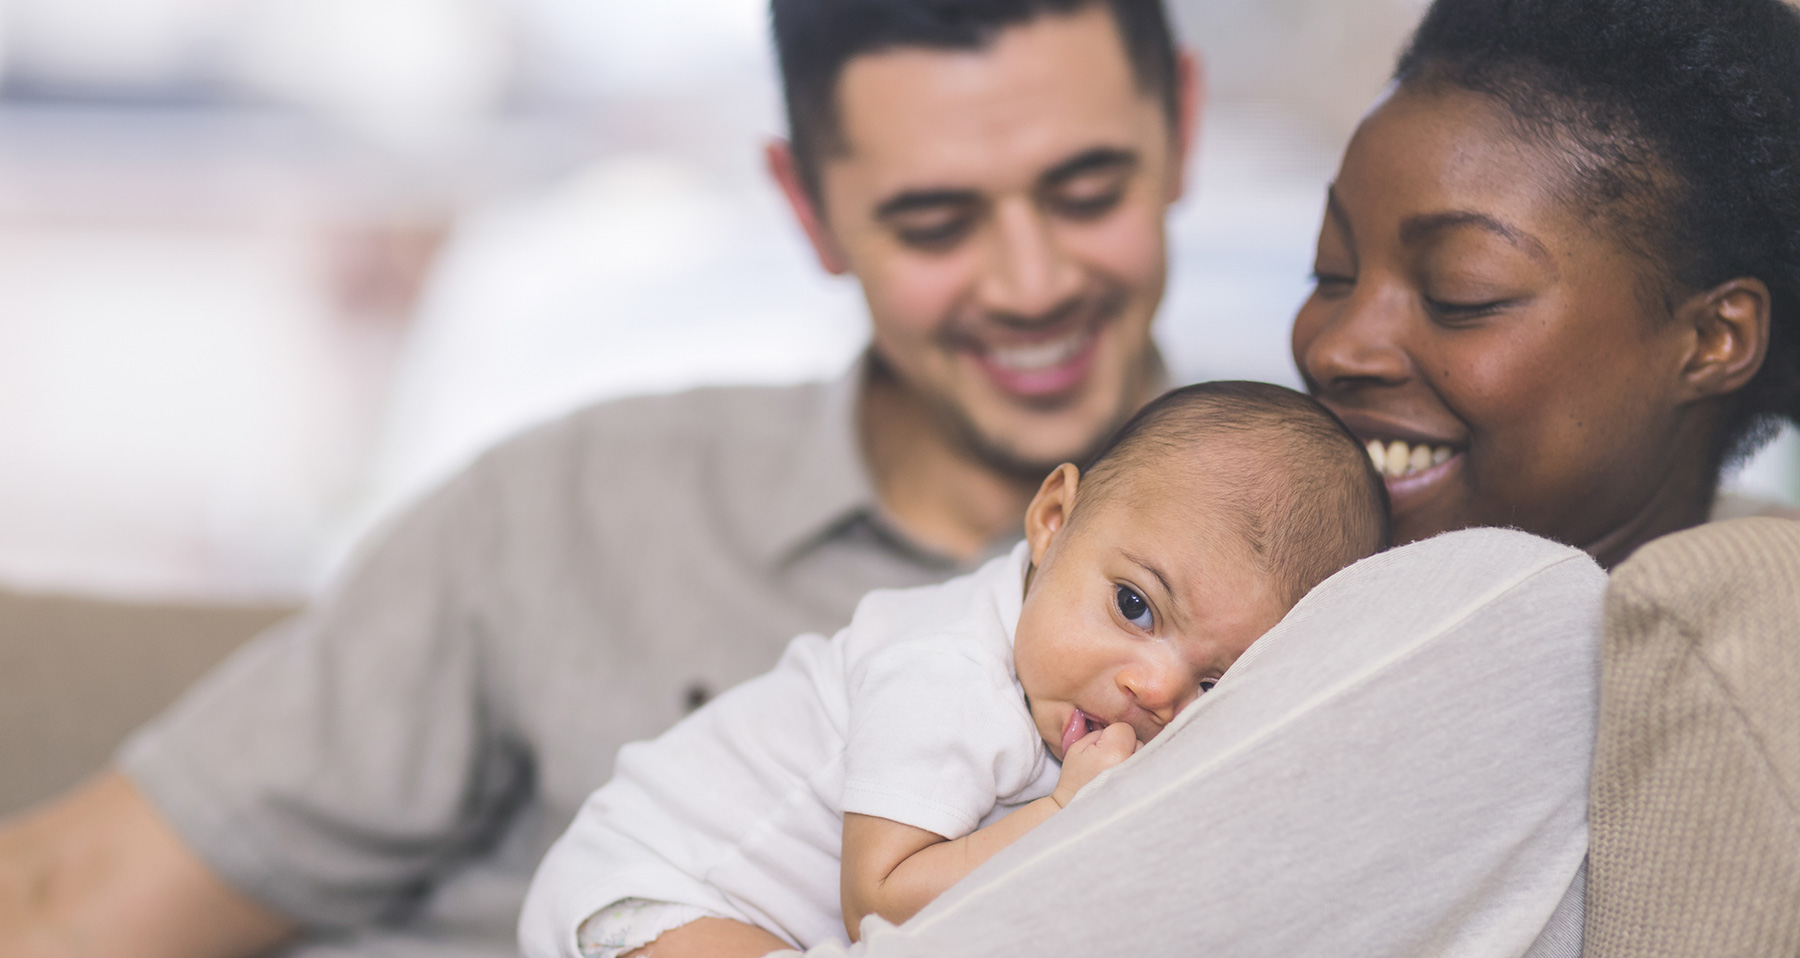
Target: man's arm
{"points": [[894, 870], [99, 873]]}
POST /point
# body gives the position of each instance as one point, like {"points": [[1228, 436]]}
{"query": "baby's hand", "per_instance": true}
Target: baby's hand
{"points": [[1090, 755]]}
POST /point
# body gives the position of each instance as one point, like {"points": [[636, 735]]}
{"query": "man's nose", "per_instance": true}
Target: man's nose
{"points": [[1028, 275], [1354, 342]]}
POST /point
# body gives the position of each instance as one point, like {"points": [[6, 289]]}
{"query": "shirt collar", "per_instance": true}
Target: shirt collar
{"points": [[1009, 592], [828, 485], [829, 488]]}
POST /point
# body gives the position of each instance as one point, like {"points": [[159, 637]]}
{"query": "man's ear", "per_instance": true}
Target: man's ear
{"points": [[1190, 99], [1049, 511], [780, 156], [1730, 325]]}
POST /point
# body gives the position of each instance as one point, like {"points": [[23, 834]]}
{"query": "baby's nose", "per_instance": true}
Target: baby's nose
{"points": [[1162, 691]]}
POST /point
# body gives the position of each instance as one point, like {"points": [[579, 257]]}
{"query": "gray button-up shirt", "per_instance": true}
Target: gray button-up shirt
{"points": [[388, 769]]}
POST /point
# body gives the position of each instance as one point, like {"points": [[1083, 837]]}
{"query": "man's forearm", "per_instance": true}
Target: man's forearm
{"points": [[99, 873]]}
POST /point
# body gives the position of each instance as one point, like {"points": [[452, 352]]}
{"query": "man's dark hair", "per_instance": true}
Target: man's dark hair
{"points": [[1680, 124], [816, 39], [1300, 487]]}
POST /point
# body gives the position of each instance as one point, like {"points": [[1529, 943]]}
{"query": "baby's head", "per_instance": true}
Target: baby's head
{"points": [[1190, 534]]}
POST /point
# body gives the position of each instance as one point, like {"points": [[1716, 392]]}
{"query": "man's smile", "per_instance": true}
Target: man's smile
{"points": [[1046, 360], [1040, 370]]}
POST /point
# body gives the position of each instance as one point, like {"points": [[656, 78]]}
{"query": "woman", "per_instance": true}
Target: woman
{"points": [[1559, 269]]}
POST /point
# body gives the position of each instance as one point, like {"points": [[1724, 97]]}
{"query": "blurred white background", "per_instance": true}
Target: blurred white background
{"points": [[269, 267]]}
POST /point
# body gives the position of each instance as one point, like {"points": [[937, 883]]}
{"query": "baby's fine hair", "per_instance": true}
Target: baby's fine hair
{"points": [[1300, 486]]}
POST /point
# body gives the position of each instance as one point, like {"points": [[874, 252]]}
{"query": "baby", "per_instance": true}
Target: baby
{"points": [[871, 771]]}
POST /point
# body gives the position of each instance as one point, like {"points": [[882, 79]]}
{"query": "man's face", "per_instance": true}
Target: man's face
{"points": [[1004, 209]]}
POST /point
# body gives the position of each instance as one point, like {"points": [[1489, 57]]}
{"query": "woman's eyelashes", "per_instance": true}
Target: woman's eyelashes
{"points": [[1331, 285], [1454, 313], [1133, 607]]}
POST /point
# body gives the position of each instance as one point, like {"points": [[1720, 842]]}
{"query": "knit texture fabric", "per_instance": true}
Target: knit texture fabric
{"points": [[1694, 814]]}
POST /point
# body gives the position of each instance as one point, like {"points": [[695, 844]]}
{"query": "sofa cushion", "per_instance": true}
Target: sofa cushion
{"points": [[1695, 807], [78, 674]]}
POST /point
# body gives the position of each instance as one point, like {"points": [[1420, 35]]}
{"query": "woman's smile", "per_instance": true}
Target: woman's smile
{"points": [[1490, 347], [1397, 460]]}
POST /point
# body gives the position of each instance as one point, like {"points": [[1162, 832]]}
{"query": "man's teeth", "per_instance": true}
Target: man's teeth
{"points": [[1396, 459], [1038, 356]]}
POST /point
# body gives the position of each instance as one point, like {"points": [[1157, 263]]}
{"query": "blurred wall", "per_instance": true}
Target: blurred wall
{"points": [[270, 267]]}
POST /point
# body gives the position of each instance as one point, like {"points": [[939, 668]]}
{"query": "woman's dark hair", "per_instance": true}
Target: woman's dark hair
{"points": [[1681, 123], [816, 39]]}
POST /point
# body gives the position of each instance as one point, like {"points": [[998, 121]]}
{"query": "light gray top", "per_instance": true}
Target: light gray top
{"points": [[398, 759], [1399, 769]]}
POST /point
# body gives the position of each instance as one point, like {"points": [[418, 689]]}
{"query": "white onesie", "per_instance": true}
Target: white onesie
{"points": [[913, 713]]}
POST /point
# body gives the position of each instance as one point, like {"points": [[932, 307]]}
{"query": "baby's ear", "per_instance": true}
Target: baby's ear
{"points": [[1049, 511]]}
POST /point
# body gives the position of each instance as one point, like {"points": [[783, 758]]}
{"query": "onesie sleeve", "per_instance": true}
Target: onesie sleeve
{"points": [[937, 738]]}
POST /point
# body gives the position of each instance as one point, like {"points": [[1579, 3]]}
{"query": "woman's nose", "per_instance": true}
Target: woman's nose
{"points": [[1353, 342], [1028, 276]]}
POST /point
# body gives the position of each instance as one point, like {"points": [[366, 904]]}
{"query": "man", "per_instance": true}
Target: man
{"points": [[382, 775]]}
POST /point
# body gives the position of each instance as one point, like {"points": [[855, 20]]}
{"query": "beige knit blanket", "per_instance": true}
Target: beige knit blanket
{"points": [[1695, 809]]}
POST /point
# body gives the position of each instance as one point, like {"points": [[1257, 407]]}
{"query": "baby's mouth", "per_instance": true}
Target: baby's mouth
{"points": [[1079, 725]]}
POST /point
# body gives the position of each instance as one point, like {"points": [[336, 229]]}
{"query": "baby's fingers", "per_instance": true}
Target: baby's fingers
{"points": [[1117, 742]]}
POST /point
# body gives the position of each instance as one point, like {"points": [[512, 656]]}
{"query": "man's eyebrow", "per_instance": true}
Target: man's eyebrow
{"points": [[1415, 229], [1148, 566], [911, 200], [1088, 161], [1099, 159]]}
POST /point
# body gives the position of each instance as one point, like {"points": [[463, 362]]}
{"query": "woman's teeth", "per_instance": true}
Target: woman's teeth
{"points": [[1039, 356], [1396, 459]]}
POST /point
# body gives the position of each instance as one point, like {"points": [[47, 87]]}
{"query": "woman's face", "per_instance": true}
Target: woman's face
{"points": [[1500, 350]]}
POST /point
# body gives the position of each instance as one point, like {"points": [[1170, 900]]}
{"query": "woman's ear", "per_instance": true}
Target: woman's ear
{"points": [[1049, 511], [1730, 324]]}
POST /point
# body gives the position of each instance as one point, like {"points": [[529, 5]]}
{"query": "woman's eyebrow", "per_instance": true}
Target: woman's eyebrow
{"points": [[1336, 215], [1417, 229]]}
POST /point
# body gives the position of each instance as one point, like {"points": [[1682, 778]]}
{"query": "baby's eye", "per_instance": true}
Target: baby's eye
{"points": [[1133, 607], [1207, 685]]}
